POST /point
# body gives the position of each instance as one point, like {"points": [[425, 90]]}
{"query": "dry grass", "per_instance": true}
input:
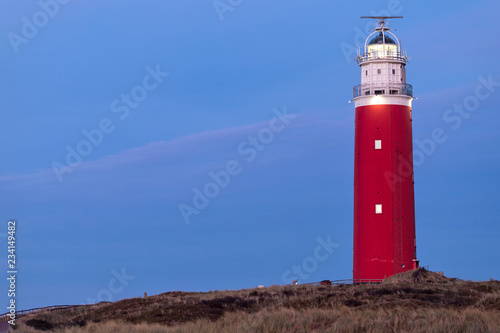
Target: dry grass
{"points": [[437, 305], [346, 319], [342, 319]]}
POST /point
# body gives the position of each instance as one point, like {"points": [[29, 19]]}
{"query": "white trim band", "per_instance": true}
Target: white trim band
{"points": [[383, 100]]}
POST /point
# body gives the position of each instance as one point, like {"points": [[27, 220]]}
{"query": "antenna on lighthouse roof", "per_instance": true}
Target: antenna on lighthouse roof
{"points": [[381, 18]]}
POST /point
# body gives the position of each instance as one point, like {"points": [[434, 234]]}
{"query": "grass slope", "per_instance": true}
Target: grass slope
{"points": [[415, 301]]}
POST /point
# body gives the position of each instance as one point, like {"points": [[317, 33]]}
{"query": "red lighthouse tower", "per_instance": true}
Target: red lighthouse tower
{"points": [[384, 209]]}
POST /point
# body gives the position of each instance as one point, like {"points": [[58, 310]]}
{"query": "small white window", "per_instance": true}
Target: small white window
{"points": [[378, 209], [378, 144]]}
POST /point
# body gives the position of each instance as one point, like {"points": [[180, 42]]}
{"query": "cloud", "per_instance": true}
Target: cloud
{"points": [[176, 166]]}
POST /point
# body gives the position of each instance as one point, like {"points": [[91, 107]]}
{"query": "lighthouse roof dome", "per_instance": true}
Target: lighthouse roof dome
{"points": [[379, 39]]}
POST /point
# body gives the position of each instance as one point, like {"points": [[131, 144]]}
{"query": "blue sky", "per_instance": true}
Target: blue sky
{"points": [[112, 229]]}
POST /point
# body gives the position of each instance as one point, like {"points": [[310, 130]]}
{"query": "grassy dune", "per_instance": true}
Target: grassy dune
{"points": [[416, 301]]}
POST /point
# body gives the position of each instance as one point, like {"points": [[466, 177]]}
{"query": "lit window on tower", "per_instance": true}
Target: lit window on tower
{"points": [[378, 144], [378, 209]]}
